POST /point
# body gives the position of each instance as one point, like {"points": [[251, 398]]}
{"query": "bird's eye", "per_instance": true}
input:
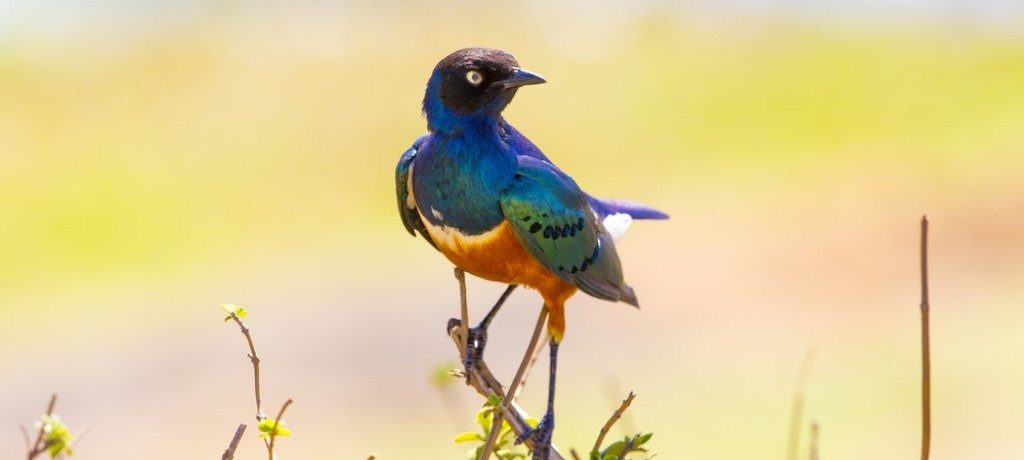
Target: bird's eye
{"points": [[474, 77]]}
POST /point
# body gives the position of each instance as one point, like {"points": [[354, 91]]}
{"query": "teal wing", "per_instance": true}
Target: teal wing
{"points": [[406, 206], [552, 219]]}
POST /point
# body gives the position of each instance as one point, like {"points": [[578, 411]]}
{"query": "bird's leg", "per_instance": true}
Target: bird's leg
{"points": [[477, 336], [541, 435]]}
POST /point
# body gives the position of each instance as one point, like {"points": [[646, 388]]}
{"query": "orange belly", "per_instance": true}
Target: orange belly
{"points": [[498, 256]]}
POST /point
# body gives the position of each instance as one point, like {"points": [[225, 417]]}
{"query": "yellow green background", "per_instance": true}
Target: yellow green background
{"points": [[157, 160]]}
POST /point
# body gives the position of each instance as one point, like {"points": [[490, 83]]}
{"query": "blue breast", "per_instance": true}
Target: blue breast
{"points": [[458, 178]]}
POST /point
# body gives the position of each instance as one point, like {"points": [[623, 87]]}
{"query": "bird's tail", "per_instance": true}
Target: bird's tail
{"points": [[629, 296], [607, 207]]}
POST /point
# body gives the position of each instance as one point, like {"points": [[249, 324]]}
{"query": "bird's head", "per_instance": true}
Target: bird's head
{"points": [[473, 84]]}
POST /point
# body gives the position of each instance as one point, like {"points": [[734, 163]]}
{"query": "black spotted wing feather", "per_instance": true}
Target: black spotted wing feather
{"points": [[554, 222]]}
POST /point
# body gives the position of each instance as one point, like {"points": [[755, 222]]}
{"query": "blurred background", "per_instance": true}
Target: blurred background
{"points": [[161, 158]]}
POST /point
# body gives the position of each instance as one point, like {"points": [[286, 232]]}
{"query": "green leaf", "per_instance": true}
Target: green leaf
{"points": [[267, 428], [484, 417], [232, 309], [468, 436], [56, 437]]}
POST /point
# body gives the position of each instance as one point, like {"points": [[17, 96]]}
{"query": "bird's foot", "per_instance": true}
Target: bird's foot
{"points": [[541, 437], [477, 340]]}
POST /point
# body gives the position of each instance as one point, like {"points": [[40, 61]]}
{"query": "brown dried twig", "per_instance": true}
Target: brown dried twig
{"points": [[514, 387], [273, 430], [483, 381], [255, 365], [611, 421], [926, 364], [229, 453], [38, 446], [260, 415]]}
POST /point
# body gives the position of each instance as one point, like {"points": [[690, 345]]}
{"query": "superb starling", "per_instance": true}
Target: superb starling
{"points": [[489, 200]]}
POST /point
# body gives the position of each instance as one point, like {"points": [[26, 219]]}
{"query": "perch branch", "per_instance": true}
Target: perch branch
{"points": [[460, 275], [513, 388], [484, 382], [229, 453], [38, 446], [926, 364], [611, 421], [273, 430], [526, 374]]}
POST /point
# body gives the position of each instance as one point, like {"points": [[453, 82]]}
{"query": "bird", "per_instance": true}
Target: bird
{"points": [[488, 199]]}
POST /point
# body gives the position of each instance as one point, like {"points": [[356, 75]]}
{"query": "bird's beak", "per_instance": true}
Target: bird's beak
{"points": [[521, 77]]}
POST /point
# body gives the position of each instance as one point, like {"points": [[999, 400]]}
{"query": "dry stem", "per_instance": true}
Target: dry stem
{"points": [[38, 447], [229, 453], [484, 382], [273, 430], [463, 312], [255, 366], [926, 364], [512, 389], [611, 421]]}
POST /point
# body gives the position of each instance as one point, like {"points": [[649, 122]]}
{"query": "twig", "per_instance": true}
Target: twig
{"points": [[526, 374], [229, 453], [575, 455], [611, 421], [796, 413], [926, 362], [273, 430], [497, 419], [513, 388], [37, 446], [255, 366], [483, 381], [612, 388], [460, 275], [814, 441]]}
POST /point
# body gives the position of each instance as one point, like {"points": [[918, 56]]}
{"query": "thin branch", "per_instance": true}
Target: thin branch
{"points": [[926, 362], [229, 453], [796, 413], [814, 441], [255, 366], [526, 374], [483, 381], [575, 455], [38, 447], [273, 430], [460, 275], [611, 421], [497, 419], [513, 388]]}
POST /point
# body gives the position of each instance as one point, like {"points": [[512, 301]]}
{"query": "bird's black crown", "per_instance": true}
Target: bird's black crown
{"points": [[471, 77]]}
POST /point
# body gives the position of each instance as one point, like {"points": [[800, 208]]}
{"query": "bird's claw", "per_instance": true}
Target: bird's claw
{"points": [[541, 437], [475, 343]]}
